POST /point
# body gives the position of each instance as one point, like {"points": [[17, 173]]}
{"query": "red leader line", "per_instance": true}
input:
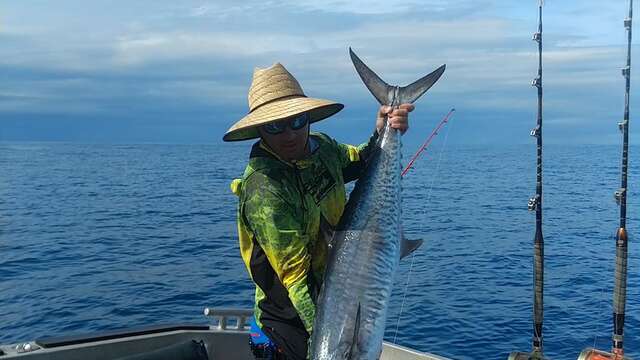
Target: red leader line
{"points": [[426, 143]]}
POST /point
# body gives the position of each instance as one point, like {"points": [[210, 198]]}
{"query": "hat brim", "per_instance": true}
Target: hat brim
{"points": [[247, 127]]}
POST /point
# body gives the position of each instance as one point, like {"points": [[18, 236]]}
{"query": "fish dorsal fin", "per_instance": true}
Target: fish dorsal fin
{"points": [[408, 246], [353, 349], [393, 95]]}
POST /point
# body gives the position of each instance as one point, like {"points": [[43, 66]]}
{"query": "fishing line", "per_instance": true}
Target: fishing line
{"points": [[433, 179], [601, 315]]}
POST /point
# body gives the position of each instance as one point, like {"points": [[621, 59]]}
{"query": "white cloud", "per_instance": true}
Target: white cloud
{"points": [[151, 47], [372, 7], [204, 51]]}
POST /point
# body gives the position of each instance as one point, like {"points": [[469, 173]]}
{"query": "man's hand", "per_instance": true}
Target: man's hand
{"points": [[398, 118]]}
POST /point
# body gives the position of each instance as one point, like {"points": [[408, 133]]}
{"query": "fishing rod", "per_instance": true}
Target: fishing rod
{"points": [[620, 285], [426, 143], [535, 204]]}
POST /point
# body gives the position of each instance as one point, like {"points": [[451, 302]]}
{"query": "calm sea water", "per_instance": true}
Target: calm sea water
{"points": [[97, 237]]}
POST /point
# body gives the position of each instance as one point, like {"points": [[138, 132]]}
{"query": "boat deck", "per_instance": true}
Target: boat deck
{"points": [[226, 338]]}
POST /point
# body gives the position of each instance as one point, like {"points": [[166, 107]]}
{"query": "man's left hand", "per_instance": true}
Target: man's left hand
{"points": [[398, 118]]}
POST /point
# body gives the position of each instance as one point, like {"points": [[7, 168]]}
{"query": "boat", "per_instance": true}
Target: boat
{"points": [[225, 336]]}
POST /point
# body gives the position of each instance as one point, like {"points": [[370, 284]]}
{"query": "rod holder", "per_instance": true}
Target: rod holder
{"points": [[519, 355], [595, 354]]}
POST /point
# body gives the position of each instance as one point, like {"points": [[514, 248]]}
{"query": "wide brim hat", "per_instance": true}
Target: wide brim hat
{"points": [[275, 95]]}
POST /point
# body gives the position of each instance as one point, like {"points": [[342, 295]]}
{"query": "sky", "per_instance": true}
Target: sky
{"points": [[152, 71]]}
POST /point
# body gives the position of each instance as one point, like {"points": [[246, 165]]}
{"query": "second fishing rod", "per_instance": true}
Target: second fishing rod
{"points": [[535, 204]]}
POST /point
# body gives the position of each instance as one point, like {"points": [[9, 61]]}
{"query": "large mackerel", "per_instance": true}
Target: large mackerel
{"points": [[367, 244]]}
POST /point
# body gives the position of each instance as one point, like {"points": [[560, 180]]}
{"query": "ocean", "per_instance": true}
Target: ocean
{"points": [[106, 236]]}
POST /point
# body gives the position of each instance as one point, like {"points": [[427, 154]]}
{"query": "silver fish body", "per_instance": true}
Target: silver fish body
{"points": [[365, 251], [365, 254]]}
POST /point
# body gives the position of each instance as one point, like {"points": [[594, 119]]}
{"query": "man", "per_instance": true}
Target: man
{"points": [[291, 196]]}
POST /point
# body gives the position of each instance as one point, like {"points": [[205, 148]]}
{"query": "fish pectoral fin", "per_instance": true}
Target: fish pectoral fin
{"points": [[408, 246]]}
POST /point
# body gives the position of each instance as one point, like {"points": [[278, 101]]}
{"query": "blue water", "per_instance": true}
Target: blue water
{"points": [[96, 237]]}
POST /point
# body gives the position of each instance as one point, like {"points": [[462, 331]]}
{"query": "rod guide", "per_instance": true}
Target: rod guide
{"points": [[626, 71], [622, 124], [618, 195], [535, 132], [536, 82], [533, 202]]}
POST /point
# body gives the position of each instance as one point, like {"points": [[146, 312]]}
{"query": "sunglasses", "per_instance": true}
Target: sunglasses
{"points": [[295, 123]]}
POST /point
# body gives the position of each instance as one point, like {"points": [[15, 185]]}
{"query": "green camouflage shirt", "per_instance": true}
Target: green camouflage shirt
{"points": [[285, 213]]}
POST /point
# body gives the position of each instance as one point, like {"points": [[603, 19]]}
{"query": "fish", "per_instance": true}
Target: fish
{"points": [[367, 243]]}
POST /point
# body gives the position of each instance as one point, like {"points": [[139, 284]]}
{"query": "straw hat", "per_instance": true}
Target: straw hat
{"points": [[274, 95]]}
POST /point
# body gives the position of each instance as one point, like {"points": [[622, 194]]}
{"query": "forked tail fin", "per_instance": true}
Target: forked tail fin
{"points": [[394, 95]]}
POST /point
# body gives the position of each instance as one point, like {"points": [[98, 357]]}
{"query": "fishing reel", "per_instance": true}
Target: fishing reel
{"points": [[594, 354], [533, 203], [627, 23], [618, 195]]}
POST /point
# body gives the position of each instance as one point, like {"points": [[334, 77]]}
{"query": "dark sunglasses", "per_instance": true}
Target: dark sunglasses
{"points": [[295, 123]]}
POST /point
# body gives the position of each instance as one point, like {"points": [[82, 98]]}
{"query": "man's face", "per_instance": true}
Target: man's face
{"points": [[286, 138]]}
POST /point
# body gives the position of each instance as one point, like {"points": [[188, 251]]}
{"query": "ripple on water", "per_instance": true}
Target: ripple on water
{"points": [[100, 237]]}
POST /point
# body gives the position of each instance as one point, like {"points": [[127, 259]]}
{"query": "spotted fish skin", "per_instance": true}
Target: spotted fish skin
{"points": [[364, 257], [351, 310]]}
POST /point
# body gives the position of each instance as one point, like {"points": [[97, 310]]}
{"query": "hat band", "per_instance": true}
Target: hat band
{"points": [[276, 99]]}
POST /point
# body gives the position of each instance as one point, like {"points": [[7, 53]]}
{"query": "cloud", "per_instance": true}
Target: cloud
{"points": [[197, 57]]}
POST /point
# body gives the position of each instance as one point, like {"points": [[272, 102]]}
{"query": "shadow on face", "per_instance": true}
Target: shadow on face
{"points": [[289, 145]]}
